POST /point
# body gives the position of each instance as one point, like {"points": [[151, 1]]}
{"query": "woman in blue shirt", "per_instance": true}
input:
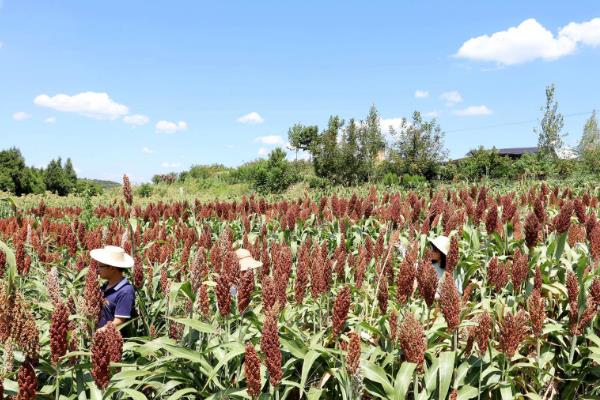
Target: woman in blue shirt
{"points": [[119, 294]]}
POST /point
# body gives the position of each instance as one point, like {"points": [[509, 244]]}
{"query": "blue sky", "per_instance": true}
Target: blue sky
{"points": [[142, 87]]}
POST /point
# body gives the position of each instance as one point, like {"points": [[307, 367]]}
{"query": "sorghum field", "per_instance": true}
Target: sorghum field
{"points": [[344, 307]]}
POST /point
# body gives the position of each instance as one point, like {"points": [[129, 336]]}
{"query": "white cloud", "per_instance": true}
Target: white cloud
{"points": [[263, 152], [451, 98], [473, 111], [50, 120], [21, 116], [587, 33], [146, 150], [270, 140], [169, 165], [251, 118], [421, 93], [90, 104], [170, 127], [386, 123], [136, 119], [530, 41]]}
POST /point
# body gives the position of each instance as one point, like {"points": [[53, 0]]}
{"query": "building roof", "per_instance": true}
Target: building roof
{"points": [[517, 150]]}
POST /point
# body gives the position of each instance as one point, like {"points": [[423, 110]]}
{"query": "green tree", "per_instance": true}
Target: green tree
{"points": [[302, 137], [551, 124], [371, 141], [56, 179], [29, 180], [275, 174], [70, 173], [482, 163], [419, 146], [326, 152], [589, 145]]}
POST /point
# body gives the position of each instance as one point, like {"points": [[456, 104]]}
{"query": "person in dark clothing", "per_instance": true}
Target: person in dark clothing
{"points": [[119, 294]]}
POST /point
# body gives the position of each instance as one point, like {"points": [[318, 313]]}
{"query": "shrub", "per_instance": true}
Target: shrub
{"points": [[390, 179], [316, 182], [145, 190], [413, 181]]}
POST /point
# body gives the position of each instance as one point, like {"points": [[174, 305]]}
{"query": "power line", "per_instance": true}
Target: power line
{"points": [[514, 123]]}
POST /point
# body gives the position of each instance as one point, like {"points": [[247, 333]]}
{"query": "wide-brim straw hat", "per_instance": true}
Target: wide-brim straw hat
{"points": [[442, 243], [114, 256], [246, 261]]}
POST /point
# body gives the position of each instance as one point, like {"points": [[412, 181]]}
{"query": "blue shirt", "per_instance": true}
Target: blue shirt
{"points": [[119, 302]]}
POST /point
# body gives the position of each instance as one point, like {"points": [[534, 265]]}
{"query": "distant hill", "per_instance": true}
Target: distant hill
{"points": [[103, 184]]}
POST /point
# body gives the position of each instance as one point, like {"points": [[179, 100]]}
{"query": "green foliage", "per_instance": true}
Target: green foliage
{"points": [[87, 187], [589, 145], [275, 175], [419, 146], [413, 181], [302, 137], [551, 124], [315, 182], [390, 179], [144, 190], [347, 155], [483, 163], [57, 179]]}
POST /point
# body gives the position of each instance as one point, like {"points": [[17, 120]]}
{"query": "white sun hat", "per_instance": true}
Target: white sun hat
{"points": [[442, 243], [112, 255], [246, 260]]}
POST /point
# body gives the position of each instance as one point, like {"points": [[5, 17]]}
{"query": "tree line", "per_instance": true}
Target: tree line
{"points": [[58, 177]]}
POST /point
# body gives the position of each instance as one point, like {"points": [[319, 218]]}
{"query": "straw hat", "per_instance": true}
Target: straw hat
{"points": [[442, 243], [246, 260], [113, 256]]}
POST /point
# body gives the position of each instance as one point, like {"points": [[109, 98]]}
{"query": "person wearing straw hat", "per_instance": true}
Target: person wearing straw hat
{"points": [[440, 247], [119, 294], [247, 262]]}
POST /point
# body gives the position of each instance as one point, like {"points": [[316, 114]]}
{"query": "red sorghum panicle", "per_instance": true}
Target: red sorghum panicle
{"points": [[59, 328], [223, 293], [52, 285], [203, 300], [450, 302], [579, 209], [573, 293], [452, 258], [27, 381], [491, 219], [340, 310], [483, 331], [591, 309], [576, 234], [406, 275], [252, 371], [245, 290], [382, 294], [454, 394], [353, 355], [520, 269], [127, 193], [107, 346], [532, 230], [2, 263], [539, 210], [269, 345], [512, 332], [138, 272], [537, 312], [412, 340], [497, 274], [595, 243], [268, 293], [427, 281], [93, 297], [537, 278], [393, 326], [563, 220]]}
